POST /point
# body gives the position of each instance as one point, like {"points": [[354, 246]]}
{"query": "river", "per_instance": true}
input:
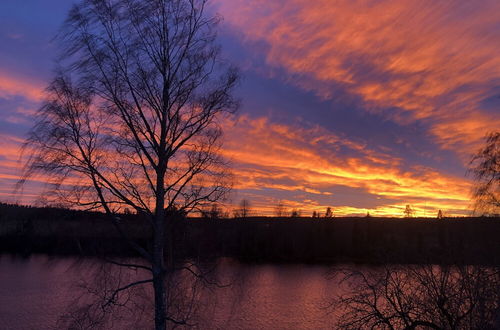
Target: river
{"points": [[36, 291]]}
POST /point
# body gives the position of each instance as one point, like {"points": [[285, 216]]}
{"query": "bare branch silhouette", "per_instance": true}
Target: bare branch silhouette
{"points": [[413, 296], [132, 118], [485, 168]]}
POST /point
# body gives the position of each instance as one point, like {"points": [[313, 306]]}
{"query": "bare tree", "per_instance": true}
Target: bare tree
{"points": [[424, 297], [132, 118], [408, 212], [280, 210], [485, 168], [212, 212], [244, 210]]}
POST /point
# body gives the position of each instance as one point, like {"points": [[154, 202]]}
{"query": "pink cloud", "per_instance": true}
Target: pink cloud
{"points": [[11, 85], [407, 60]]}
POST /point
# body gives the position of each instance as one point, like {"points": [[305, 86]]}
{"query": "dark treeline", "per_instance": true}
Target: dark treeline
{"points": [[26, 230]]}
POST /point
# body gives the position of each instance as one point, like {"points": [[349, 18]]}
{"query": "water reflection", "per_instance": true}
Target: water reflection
{"points": [[420, 297], [43, 293], [37, 291]]}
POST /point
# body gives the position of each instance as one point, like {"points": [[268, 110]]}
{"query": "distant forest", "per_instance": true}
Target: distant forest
{"points": [[26, 230]]}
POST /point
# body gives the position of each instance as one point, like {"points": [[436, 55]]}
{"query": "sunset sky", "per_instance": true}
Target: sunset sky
{"points": [[364, 106]]}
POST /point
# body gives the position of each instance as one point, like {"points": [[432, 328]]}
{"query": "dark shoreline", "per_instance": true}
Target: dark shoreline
{"points": [[26, 230]]}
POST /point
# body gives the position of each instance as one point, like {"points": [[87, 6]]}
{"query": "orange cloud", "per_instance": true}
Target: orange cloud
{"points": [[308, 160], [433, 61]]}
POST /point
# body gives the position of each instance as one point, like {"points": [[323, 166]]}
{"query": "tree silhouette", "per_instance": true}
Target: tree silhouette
{"points": [[212, 212], [409, 212], [329, 212], [244, 209], [485, 168], [131, 118], [440, 214], [421, 297], [280, 210]]}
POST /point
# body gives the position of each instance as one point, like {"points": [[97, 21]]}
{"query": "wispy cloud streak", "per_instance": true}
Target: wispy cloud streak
{"points": [[430, 61], [309, 159]]}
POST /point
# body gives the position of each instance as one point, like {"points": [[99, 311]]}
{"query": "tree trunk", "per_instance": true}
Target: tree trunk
{"points": [[159, 276], [159, 256], [160, 304]]}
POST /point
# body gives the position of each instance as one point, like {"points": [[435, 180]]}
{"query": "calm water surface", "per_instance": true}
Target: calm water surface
{"points": [[35, 292]]}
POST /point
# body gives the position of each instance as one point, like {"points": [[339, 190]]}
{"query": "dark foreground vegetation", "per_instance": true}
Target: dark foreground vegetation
{"points": [[27, 230]]}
